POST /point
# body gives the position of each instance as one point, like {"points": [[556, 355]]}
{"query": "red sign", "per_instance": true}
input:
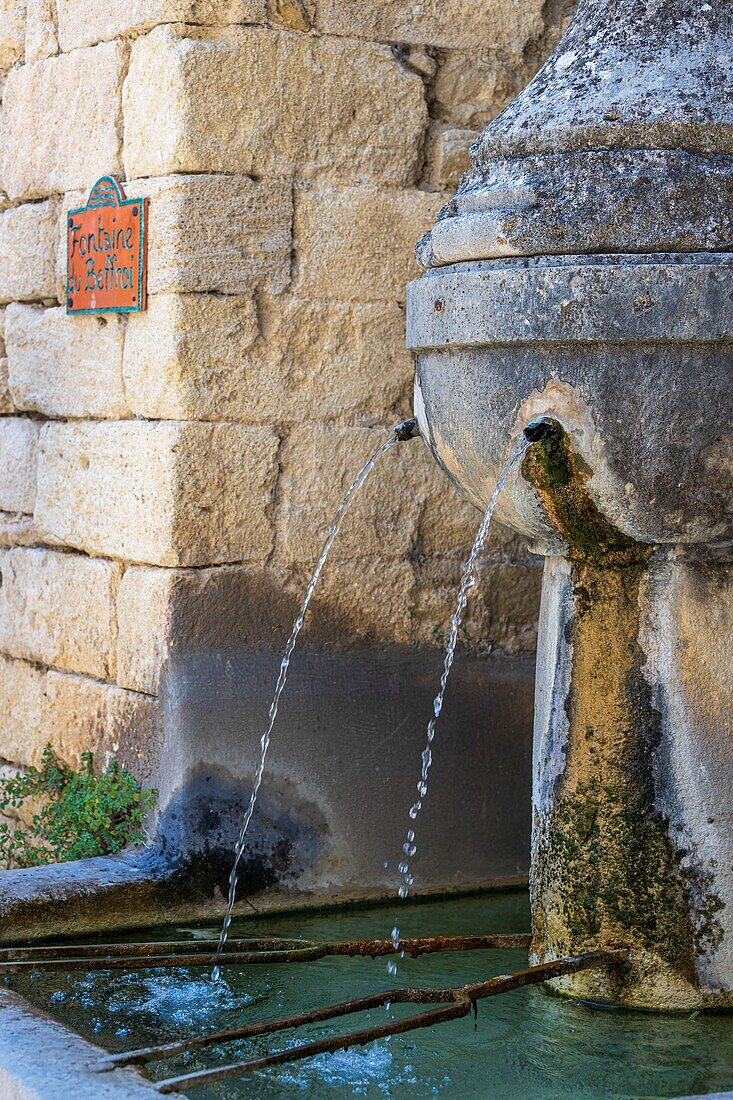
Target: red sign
{"points": [[106, 261]]}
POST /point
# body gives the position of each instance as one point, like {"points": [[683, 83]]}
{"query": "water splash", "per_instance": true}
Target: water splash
{"points": [[468, 581], [398, 433]]}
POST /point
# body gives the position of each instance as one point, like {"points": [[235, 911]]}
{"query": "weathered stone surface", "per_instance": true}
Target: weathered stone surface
{"points": [[502, 609], [12, 31], [318, 465], [59, 609], [56, 136], [98, 20], [336, 359], [40, 31], [75, 714], [217, 233], [361, 601], [18, 455], [495, 25], [192, 356], [21, 703], [27, 247], [201, 101], [6, 402], [208, 357], [449, 156], [82, 715], [145, 620], [164, 493], [17, 529], [356, 243], [468, 91], [65, 366]]}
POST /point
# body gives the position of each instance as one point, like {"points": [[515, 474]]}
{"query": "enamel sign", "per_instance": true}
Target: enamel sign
{"points": [[106, 258]]}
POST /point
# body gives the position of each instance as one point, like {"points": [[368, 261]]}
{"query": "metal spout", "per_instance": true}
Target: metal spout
{"points": [[408, 429], [543, 428]]}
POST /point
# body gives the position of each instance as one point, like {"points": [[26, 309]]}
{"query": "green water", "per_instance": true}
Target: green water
{"points": [[525, 1045]]}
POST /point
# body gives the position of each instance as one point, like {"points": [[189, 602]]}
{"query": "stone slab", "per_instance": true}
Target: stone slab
{"points": [[159, 492], [201, 101], [59, 609], [18, 457], [40, 1059], [98, 20], [65, 366], [57, 137], [27, 246]]}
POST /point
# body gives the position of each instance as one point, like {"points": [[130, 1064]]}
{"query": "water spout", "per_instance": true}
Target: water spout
{"points": [[544, 427], [408, 429]]}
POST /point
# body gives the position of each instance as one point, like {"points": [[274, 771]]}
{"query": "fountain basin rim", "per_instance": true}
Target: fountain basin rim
{"points": [[573, 299]]}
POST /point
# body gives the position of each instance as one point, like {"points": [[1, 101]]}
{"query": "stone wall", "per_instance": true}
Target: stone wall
{"points": [[166, 478]]}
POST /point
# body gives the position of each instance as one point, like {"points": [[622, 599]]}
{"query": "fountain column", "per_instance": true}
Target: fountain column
{"points": [[582, 274]]}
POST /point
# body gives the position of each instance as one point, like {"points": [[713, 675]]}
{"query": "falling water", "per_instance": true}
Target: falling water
{"points": [[402, 431], [468, 581]]}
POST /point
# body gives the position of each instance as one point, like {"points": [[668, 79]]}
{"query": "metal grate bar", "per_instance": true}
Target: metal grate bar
{"points": [[187, 953], [454, 1004]]}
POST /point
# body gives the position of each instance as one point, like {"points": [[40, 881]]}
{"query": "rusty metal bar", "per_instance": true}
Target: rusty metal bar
{"points": [[264, 1027], [159, 947], [93, 957], [457, 1002]]}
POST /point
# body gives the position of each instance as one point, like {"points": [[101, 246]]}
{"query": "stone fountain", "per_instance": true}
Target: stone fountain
{"points": [[579, 286]]}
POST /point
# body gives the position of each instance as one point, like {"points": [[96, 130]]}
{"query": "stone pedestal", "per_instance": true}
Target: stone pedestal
{"points": [[582, 273]]}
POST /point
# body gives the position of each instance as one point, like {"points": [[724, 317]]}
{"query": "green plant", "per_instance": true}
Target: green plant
{"points": [[74, 814]]}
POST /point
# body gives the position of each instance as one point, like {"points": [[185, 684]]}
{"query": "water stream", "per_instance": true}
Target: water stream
{"points": [[283, 675], [468, 581]]}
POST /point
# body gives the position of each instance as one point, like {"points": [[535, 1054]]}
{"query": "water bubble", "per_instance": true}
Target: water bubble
{"points": [[403, 892], [411, 835]]}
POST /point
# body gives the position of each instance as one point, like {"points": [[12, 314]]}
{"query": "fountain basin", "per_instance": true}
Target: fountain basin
{"points": [[526, 1043]]}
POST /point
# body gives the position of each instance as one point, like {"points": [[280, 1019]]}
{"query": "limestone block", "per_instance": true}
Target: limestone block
{"points": [[271, 103], [59, 609], [166, 612], [469, 90], [12, 32], [40, 30], [21, 705], [449, 157], [318, 464], [6, 402], [204, 357], [27, 249], [17, 529], [358, 602], [356, 243], [335, 359], [56, 135], [163, 493], [65, 366], [217, 233], [191, 356], [84, 24], [503, 607], [452, 24], [81, 715], [18, 459], [144, 615]]}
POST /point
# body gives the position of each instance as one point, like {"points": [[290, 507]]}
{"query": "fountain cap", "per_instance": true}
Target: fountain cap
{"points": [[622, 143]]}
